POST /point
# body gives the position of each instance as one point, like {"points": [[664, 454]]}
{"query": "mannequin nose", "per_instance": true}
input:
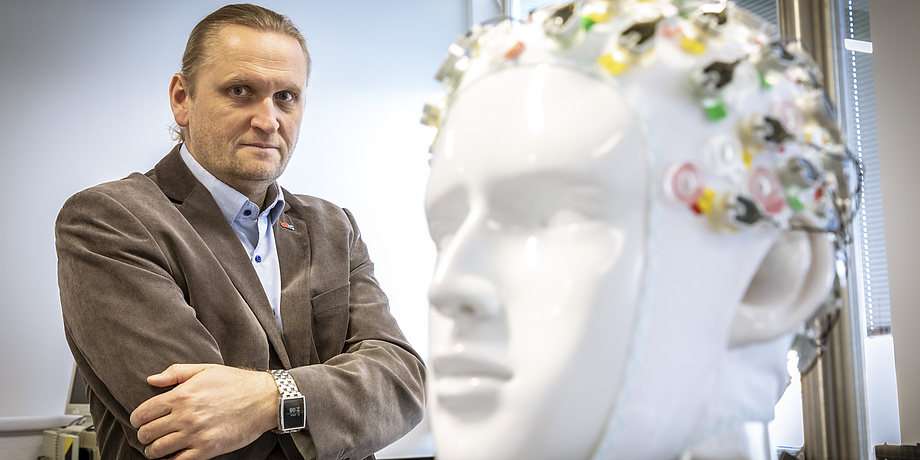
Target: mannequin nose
{"points": [[461, 287], [464, 297]]}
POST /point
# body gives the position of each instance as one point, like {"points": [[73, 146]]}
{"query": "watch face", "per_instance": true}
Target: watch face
{"points": [[293, 413]]}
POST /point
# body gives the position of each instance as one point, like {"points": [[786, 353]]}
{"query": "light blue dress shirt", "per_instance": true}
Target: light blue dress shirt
{"points": [[253, 228]]}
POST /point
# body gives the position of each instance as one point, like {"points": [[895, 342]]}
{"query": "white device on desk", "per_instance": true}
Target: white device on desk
{"points": [[76, 441]]}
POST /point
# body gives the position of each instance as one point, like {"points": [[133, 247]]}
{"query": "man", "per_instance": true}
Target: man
{"points": [[596, 295], [182, 287]]}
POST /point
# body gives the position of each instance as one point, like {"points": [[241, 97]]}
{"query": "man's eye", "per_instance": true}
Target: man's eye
{"points": [[285, 96], [239, 91]]}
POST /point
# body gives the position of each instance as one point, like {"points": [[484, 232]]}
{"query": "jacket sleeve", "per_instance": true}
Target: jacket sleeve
{"points": [[125, 317], [372, 392]]}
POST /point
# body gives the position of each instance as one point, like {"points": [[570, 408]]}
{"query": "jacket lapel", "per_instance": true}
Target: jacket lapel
{"points": [[292, 241], [195, 202]]}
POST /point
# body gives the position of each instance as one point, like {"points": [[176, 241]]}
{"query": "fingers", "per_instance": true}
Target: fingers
{"points": [[173, 442], [148, 411], [174, 433], [189, 454], [161, 405], [156, 427], [187, 446], [176, 374]]}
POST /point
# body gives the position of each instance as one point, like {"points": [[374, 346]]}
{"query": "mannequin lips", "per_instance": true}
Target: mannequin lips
{"points": [[466, 365], [469, 383]]}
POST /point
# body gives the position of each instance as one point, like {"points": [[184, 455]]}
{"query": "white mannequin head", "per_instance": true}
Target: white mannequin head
{"points": [[580, 308]]}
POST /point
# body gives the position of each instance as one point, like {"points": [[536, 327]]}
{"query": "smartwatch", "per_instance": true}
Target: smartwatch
{"points": [[292, 407]]}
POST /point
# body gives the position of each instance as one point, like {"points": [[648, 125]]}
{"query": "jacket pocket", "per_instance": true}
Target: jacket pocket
{"points": [[330, 321]]}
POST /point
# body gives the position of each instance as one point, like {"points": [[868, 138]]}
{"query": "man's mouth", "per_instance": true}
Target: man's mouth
{"points": [[260, 145]]}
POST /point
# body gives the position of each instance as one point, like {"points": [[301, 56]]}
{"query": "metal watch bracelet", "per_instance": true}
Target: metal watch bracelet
{"points": [[292, 413]]}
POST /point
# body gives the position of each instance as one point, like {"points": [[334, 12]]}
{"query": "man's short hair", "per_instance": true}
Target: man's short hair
{"points": [[242, 14]]}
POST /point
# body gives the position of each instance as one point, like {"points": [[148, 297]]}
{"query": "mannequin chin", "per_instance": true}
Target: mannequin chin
{"points": [[579, 308]]}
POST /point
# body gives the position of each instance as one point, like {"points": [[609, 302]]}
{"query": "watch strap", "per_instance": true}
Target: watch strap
{"points": [[292, 404]]}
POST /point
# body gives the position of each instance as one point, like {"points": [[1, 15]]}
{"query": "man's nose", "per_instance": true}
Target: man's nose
{"points": [[462, 288], [265, 116]]}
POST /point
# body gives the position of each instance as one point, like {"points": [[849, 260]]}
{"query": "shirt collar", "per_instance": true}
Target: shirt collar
{"points": [[230, 201]]}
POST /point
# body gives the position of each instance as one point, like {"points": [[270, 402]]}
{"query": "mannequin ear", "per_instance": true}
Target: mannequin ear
{"points": [[793, 280]]}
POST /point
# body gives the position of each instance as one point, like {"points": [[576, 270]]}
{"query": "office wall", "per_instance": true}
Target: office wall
{"points": [[896, 60], [84, 100]]}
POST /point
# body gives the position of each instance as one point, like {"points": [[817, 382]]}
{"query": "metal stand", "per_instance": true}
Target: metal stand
{"points": [[833, 388], [833, 376]]}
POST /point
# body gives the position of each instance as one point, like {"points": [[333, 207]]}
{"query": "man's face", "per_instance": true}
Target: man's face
{"points": [[244, 118], [537, 203]]}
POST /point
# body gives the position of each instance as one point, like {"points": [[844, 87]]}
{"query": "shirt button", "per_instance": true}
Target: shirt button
{"points": [[247, 212], [258, 259]]}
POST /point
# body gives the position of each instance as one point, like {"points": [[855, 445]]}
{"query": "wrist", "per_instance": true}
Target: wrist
{"points": [[268, 412]]}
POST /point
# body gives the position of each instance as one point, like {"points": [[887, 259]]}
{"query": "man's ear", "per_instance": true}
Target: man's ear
{"points": [[179, 99], [793, 280]]}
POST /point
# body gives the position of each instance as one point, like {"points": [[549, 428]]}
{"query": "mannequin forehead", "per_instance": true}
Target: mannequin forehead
{"points": [[537, 124]]}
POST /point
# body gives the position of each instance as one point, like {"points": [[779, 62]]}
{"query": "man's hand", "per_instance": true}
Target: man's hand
{"points": [[212, 410]]}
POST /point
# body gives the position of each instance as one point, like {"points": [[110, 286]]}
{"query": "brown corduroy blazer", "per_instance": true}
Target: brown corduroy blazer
{"points": [[152, 274]]}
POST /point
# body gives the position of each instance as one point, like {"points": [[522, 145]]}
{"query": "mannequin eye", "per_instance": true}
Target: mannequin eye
{"points": [[441, 233], [566, 209], [443, 228], [546, 202], [446, 215], [564, 216]]}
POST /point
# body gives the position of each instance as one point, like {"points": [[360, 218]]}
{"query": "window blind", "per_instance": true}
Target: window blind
{"points": [[858, 104]]}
